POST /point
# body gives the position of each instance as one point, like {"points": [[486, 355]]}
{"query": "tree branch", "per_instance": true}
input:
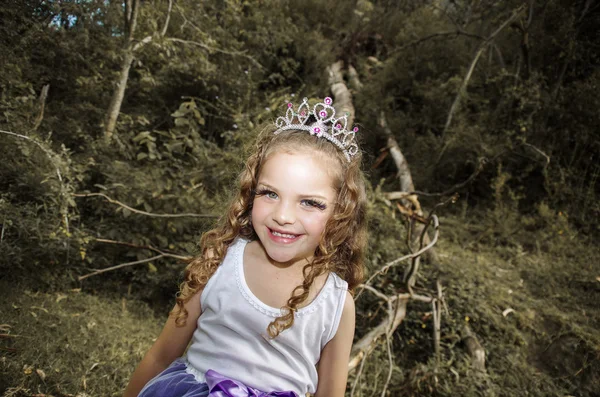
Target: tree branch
{"points": [[113, 201], [46, 151], [214, 49], [133, 20], [119, 267], [148, 247], [384, 269], [482, 47], [42, 100], [166, 25]]}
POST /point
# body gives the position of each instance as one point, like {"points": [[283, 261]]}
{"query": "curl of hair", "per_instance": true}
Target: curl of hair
{"points": [[342, 246]]}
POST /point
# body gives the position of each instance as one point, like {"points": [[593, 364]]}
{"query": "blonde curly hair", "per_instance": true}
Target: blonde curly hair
{"points": [[341, 249]]}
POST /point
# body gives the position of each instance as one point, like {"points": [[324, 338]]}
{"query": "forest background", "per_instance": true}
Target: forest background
{"points": [[123, 126]]}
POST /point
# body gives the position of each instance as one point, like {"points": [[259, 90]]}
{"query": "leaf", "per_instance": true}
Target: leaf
{"points": [[141, 135], [199, 117], [152, 268], [41, 373], [180, 122], [126, 212], [142, 156]]}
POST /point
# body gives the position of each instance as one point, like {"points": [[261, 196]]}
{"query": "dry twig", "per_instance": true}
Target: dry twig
{"points": [[113, 201], [100, 271], [161, 254], [148, 247], [385, 268]]}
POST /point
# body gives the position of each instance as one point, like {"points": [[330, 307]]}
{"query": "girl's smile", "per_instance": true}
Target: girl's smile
{"points": [[294, 200], [282, 237]]}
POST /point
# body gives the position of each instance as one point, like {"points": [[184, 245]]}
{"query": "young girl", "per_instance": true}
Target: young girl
{"points": [[267, 303]]}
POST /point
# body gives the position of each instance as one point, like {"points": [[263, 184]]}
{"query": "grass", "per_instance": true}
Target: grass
{"points": [[70, 343]]}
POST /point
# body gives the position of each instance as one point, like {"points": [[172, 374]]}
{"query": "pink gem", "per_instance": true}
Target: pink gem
{"points": [[327, 101], [303, 113], [289, 105], [338, 126], [323, 113], [317, 130], [355, 129]]}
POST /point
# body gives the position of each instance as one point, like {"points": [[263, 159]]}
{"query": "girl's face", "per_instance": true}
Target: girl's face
{"points": [[294, 199]]}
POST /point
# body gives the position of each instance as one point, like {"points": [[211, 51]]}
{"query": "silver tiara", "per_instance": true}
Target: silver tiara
{"points": [[320, 121]]}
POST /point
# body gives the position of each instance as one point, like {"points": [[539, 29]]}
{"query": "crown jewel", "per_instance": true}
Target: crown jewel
{"points": [[320, 121]]}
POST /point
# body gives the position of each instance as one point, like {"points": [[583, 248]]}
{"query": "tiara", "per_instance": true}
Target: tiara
{"points": [[320, 121]]}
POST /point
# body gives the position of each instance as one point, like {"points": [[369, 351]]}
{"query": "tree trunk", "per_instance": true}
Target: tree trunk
{"points": [[117, 98]]}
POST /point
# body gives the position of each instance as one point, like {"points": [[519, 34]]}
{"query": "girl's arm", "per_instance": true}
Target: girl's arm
{"points": [[171, 343], [333, 365]]}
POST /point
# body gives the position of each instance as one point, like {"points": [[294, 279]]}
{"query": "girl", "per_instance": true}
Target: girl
{"points": [[267, 303]]}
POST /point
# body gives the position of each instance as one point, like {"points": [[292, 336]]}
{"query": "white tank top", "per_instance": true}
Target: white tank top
{"points": [[231, 336]]}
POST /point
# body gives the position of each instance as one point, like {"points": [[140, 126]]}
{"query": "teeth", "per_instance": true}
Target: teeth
{"points": [[283, 235]]}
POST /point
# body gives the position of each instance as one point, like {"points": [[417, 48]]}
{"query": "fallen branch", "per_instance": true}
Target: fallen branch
{"points": [[436, 307], [388, 344], [474, 348], [113, 201], [411, 213], [385, 268], [367, 343], [353, 79], [343, 97], [8, 349], [406, 183], [358, 374]]}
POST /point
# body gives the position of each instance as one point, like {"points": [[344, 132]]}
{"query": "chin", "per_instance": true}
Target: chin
{"points": [[282, 257]]}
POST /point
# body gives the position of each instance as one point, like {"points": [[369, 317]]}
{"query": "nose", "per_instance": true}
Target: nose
{"points": [[284, 213]]}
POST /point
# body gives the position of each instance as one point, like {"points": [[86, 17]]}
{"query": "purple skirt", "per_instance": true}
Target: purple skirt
{"points": [[175, 381]]}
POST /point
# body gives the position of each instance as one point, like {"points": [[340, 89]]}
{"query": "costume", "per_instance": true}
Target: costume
{"points": [[231, 338]]}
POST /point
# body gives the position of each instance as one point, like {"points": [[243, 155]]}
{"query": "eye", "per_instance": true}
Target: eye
{"points": [[267, 193], [314, 204]]}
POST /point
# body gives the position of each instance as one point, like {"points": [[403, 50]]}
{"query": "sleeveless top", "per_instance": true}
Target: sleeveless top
{"points": [[231, 335]]}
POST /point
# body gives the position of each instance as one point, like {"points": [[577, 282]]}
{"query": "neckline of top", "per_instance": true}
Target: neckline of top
{"points": [[260, 305]]}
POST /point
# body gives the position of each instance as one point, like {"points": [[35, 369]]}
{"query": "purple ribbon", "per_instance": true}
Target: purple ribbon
{"points": [[221, 386]]}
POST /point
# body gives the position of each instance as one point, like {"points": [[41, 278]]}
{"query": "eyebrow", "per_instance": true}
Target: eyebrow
{"points": [[301, 196]]}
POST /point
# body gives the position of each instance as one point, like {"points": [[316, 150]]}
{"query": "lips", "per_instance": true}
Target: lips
{"points": [[282, 237]]}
